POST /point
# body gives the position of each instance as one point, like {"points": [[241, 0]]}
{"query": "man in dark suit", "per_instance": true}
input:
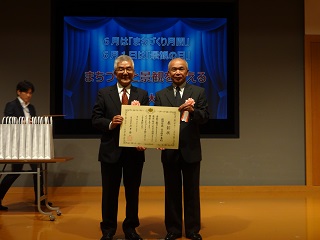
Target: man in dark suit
{"points": [[181, 166], [21, 107], [119, 162]]}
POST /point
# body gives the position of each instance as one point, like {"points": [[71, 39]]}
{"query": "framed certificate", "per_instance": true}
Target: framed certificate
{"points": [[150, 127]]}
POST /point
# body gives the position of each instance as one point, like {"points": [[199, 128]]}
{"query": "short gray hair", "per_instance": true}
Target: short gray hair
{"points": [[122, 58], [180, 59]]}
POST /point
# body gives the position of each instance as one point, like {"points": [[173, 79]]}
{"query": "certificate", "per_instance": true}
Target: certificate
{"points": [[150, 127]]}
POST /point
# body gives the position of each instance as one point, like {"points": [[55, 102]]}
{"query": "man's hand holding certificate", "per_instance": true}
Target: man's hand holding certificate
{"points": [[150, 126]]}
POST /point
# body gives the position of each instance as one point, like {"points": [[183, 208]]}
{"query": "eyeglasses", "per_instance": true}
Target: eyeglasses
{"points": [[122, 70]]}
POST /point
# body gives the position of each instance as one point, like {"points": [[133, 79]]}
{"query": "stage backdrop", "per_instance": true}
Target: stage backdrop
{"points": [[90, 45]]}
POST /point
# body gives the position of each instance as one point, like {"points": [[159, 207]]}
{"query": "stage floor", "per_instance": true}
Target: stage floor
{"points": [[232, 214]]}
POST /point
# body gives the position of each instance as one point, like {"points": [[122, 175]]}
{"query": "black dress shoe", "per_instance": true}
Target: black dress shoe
{"points": [[172, 236], [3, 208], [131, 234], [107, 236], [194, 236]]}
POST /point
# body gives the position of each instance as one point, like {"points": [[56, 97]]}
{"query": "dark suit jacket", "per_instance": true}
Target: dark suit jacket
{"points": [[108, 105], [15, 109], [189, 139]]}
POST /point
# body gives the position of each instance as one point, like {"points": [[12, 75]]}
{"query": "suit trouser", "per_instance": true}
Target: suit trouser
{"points": [[111, 178], [182, 184]]}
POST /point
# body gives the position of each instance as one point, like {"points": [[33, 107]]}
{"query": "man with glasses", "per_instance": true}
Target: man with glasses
{"points": [[116, 162]]}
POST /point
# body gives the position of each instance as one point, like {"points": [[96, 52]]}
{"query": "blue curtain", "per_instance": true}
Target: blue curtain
{"points": [[89, 51]]}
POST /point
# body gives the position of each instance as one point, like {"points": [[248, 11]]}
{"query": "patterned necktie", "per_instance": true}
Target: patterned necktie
{"points": [[178, 97], [125, 99]]}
